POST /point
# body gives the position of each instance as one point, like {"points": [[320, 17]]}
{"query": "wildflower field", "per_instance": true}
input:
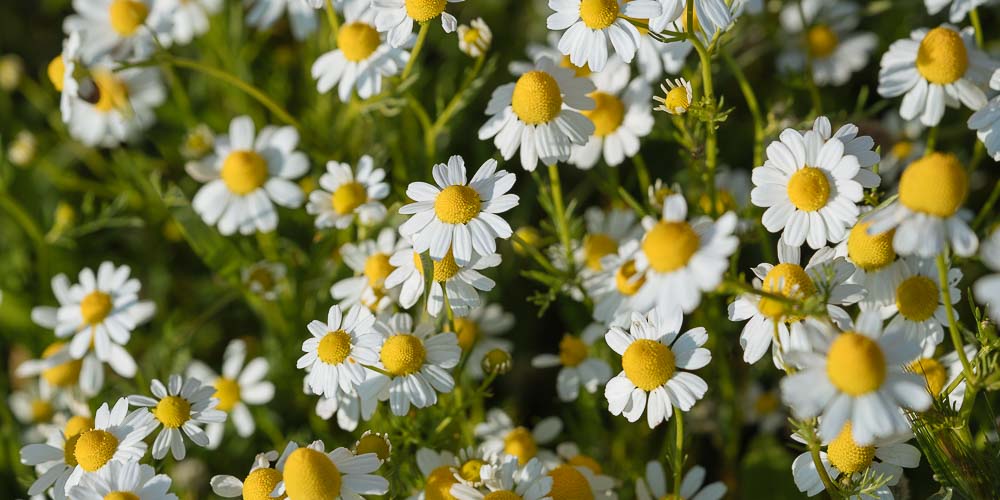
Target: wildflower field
{"points": [[499, 249]]}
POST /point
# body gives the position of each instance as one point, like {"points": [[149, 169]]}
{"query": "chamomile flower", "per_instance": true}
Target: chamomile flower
{"points": [[335, 353], [374, 442], [62, 73], [656, 58], [986, 121], [917, 307], [653, 354], [621, 117], [311, 473], [807, 185], [591, 25], [474, 39], [877, 267], [130, 480], [935, 68], [119, 29], [958, 10], [845, 457], [55, 459], [606, 229], [239, 385], [37, 405], [540, 114], [682, 259], [361, 59], [550, 50], [114, 106], [439, 474], [265, 13], [417, 360], [570, 482], [861, 147], [763, 407], [928, 214], [508, 480], [615, 287], [571, 455], [347, 407], [578, 368], [265, 279], [117, 436], [677, 97], [857, 376], [987, 289], [654, 485], [480, 332], [458, 283], [260, 481], [369, 259], [345, 195], [939, 373], [56, 368], [830, 43], [189, 18], [501, 437], [458, 217], [245, 177], [181, 405], [396, 17], [710, 17]]}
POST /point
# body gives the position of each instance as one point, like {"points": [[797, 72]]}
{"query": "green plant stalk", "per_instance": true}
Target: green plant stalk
{"points": [[430, 136], [679, 451], [421, 37], [561, 223], [931, 140], [814, 446], [956, 335], [977, 25], [642, 171], [331, 17], [752, 105], [987, 207], [711, 151]]}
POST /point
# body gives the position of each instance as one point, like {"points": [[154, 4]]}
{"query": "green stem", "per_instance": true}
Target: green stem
{"points": [[711, 152], [421, 37], [560, 211], [679, 451], [931, 140], [956, 335], [331, 17], [814, 446], [642, 171], [977, 25], [987, 207], [752, 105], [430, 137]]}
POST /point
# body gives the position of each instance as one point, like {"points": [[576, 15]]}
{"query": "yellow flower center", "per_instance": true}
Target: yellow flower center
{"points": [[846, 455], [821, 41], [121, 495], [57, 71], [457, 204], [648, 364], [377, 269], [260, 483], [809, 189], [917, 298], [334, 347], [347, 197], [126, 16], [537, 98], [855, 364], [529, 236], [789, 280], [467, 332], [357, 41], [41, 411], [767, 403], [870, 253], [670, 245], [471, 36], [444, 269], [942, 57], [94, 448], [311, 474], [470, 470], [69, 450], [77, 424], [607, 115], [902, 149], [624, 281], [244, 171], [677, 98], [724, 202], [569, 484], [227, 391], [373, 443], [502, 495], [935, 184], [572, 350], [580, 71], [439, 484], [933, 372], [95, 307], [520, 443], [403, 354], [424, 10], [64, 375], [585, 461], [173, 411], [598, 14], [112, 92], [596, 246]]}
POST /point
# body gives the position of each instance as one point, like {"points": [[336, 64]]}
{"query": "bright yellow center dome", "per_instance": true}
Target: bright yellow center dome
{"points": [[244, 171], [846, 455], [57, 72], [607, 115], [311, 474], [77, 424], [377, 269], [595, 247], [855, 364], [457, 204], [63, 375], [439, 483], [809, 189], [403, 354], [444, 269], [935, 184], [424, 10], [598, 14], [520, 443], [572, 350], [933, 372], [260, 483], [502, 495], [470, 470], [917, 298], [467, 332], [625, 282], [334, 347], [173, 411], [126, 16], [942, 57], [870, 253], [227, 391], [41, 411], [788, 280], [537, 98], [569, 484], [347, 197], [648, 364], [94, 307], [357, 41], [94, 448], [112, 92], [669, 245], [821, 41], [677, 98], [374, 443]]}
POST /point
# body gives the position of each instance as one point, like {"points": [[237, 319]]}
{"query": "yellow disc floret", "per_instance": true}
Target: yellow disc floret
{"points": [[572, 351], [677, 99], [334, 347], [439, 484], [917, 298], [457, 204], [260, 483], [933, 372], [598, 14], [311, 474], [94, 307], [520, 443], [444, 269], [809, 189], [595, 247], [855, 364], [902, 149], [121, 495], [244, 171], [94, 448], [63, 375], [227, 391], [424, 10], [467, 332], [935, 184], [625, 280], [57, 72], [77, 424], [373, 443], [788, 280], [569, 484], [579, 71], [41, 411], [588, 462], [357, 41], [173, 411], [607, 115], [469, 471], [537, 98], [377, 269], [347, 197], [126, 16], [502, 495], [69, 449], [821, 41], [112, 92], [846, 455], [870, 253], [648, 364], [942, 57], [403, 354], [669, 245]]}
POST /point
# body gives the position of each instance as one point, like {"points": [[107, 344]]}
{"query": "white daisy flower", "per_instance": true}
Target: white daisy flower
{"points": [[53, 459], [480, 332], [570, 454], [807, 185], [959, 8], [653, 353], [763, 407], [500, 437], [56, 368], [682, 259], [239, 385], [508, 480], [578, 481], [264, 13], [656, 58], [338, 349], [987, 288], [615, 287], [654, 485], [440, 473], [591, 25], [937, 374], [710, 19], [825, 275], [877, 268], [189, 18], [261, 480], [458, 283], [100, 313], [578, 368], [369, 259], [130, 480], [935, 68], [344, 195], [845, 457], [830, 43], [732, 193], [361, 59], [374, 442], [117, 436], [856, 376], [182, 405], [458, 217], [474, 39], [119, 29], [917, 307], [621, 117], [198, 142], [37, 405], [265, 279], [677, 97], [245, 177], [539, 114], [986, 121], [311, 473], [396, 17], [346, 406], [111, 107], [606, 231], [62, 73], [861, 147], [928, 214], [417, 361], [550, 50]]}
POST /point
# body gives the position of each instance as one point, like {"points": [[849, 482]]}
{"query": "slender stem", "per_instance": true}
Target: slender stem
{"points": [[679, 451], [987, 207], [711, 151], [642, 171], [977, 25], [956, 335], [421, 37], [430, 137], [752, 105], [931, 140], [814, 446], [331, 16], [560, 208]]}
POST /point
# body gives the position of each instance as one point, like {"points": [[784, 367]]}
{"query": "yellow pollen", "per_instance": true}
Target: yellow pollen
{"points": [[933, 372], [41, 411], [126, 16], [439, 484], [607, 115], [677, 98], [424, 10], [598, 14], [77, 424], [809, 189], [172, 411], [469, 471], [846, 455], [244, 171], [64, 375], [596, 246], [471, 36], [585, 461], [69, 450], [444, 269], [580, 71], [942, 57], [377, 269], [334, 347], [457, 204], [467, 332], [227, 391], [569, 484], [121, 495], [57, 71], [357, 41], [917, 298], [403, 354], [311, 474], [624, 281], [260, 483], [94, 448], [112, 92], [95, 307], [648, 364], [373, 443], [537, 98], [821, 41], [669, 245], [935, 184], [502, 495], [767, 403], [789, 280], [870, 253], [347, 197], [572, 351], [902, 149], [855, 364], [520, 443]]}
